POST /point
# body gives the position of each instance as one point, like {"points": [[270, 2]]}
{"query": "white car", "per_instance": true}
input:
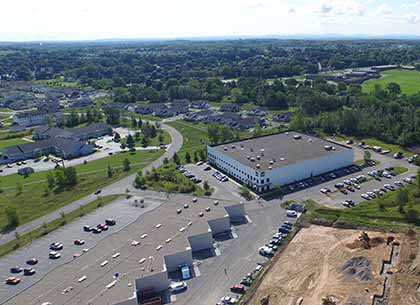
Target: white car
{"points": [[200, 163], [399, 183], [177, 286], [365, 196], [228, 300], [291, 213], [135, 243], [323, 191], [54, 255], [371, 194], [389, 187], [259, 267], [356, 186], [408, 180], [265, 251]]}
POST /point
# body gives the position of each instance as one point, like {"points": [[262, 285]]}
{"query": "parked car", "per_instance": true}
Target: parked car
{"points": [[207, 168], [29, 271], [324, 190], [96, 230], [79, 242], [365, 196], [54, 255], [16, 269], [12, 280], [87, 228], [177, 286], [228, 300], [291, 213], [238, 289], [199, 163], [110, 222], [247, 281], [398, 183], [56, 246], [185, 272], [32, 261], [389, 187], [102, 226], [408, 180], [265, 251]]}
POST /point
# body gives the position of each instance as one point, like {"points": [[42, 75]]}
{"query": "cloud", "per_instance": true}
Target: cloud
{"points": [[385, 9], [330, 8], [412, 18]]}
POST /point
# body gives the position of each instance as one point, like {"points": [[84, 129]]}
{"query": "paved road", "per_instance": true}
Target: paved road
{"points": [[118, 187]]}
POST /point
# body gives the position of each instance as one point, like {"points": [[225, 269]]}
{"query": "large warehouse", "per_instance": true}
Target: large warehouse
{"points": [[278, 159]]}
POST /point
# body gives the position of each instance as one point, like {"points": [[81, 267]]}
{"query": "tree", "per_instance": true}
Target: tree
{"points": [[19, 187], [140, 182], [366, 156], [196, 159], [126, 165], [161, 138], [145, 141], [187, 157], [117, 137], [176, 159], [257, 129], [401, 199], [393, 88], [133, 122], [70, 175], [130, 142], [412, 216], [50, 180], [418, 180], [109, 171], [63, 218], [12, 216]]}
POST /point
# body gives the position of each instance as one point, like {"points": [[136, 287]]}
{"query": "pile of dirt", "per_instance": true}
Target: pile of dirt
{"points": [[358, 267]]}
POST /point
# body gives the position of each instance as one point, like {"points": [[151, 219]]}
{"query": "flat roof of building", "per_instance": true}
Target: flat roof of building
{"points": [[277, 150]]}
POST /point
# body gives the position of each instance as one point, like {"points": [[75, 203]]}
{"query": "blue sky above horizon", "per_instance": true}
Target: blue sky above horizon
{"points": [[22, 20]]}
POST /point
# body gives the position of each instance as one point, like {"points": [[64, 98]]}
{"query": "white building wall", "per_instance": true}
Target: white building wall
{"points": [[219, 225], [173, 261], [201, 241], [158, 282], [304, 169]]}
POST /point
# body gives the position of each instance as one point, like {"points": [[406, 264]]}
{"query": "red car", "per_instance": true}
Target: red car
{"points": [[79, 242], [32, 261], [12, 280], [238, 289], [102, 226]]}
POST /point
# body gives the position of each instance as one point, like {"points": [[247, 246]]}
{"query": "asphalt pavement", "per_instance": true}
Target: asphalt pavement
{"points": [[118, 187]]}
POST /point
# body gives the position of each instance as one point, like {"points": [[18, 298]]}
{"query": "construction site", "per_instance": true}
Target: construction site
{"points": [[329, 266]]}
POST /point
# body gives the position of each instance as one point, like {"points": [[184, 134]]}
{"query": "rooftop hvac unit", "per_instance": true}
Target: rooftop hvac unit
{"points": [[258, 165], [251, 149], [271, 162], [252, 159], [270, 167], [297, 137], [327, 147], [225, 148], [233, 146], [248, 157], [258, 157], [282, 159], [309, 140], [333, 148]]}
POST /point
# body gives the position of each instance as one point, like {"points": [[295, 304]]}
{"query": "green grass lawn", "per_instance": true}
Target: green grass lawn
{"points": [[11, 142], [195, 136], [407, 79], [33, 202], [379, 213]]}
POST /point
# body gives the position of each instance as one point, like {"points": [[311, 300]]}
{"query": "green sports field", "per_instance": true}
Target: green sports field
{"points": [[407, 79]]}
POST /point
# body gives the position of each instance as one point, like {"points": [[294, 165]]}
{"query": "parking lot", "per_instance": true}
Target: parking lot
{"points": [[120, 210]]}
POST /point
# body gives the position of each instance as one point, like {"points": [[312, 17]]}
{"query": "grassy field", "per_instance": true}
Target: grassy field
{"points": [[34, 202], [379, 213], [10, 142], [408, 80], [55, 224], [58, 82], [195, 136]]}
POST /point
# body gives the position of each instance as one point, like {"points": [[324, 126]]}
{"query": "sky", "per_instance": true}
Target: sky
{"points": [[25, 20]]}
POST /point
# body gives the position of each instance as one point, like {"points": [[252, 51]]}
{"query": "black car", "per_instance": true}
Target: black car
{"points": [[87, 228], [247, 281], [98, 192], [110, 222], [29, 271], [16, 269], [284, 230], [32, 261]]}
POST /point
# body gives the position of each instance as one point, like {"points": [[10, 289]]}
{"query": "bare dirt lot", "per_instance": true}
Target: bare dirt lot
{"points": [[328, 262]]}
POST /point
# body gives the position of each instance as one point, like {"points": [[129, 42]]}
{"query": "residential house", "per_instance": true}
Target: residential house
{"points": [[283, 117], [30, 118], [200, 105], [230, 108]]}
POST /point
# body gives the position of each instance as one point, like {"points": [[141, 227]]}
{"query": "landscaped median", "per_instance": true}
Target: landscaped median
{"points": [[396, 210], [24, 239]]}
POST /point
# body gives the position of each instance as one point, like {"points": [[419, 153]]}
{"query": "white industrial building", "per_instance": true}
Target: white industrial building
{"points": [[181, 231], [279, 159]]}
